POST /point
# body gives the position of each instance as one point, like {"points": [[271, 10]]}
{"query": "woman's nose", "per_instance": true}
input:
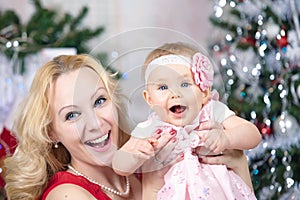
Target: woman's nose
{"points": [[92, 121]]}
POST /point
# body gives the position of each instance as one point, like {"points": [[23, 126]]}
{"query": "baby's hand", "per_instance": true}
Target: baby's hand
{"points": [[143, 148], [213, 136]]}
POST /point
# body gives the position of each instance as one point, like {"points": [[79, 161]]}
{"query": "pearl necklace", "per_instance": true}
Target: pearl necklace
{"points": [[103, 187]]}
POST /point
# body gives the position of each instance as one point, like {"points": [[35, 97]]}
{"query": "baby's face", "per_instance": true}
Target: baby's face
{"points": [[173, 95]]}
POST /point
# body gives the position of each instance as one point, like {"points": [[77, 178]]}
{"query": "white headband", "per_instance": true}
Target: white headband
{"points": [[166, 60]]}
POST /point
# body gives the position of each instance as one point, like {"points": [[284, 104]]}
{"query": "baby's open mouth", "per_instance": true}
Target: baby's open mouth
{"points": [[99, 142], [177, 109]]}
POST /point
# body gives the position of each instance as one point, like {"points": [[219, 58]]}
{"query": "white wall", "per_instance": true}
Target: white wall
{"points": [[188, 17], [130, 33]]}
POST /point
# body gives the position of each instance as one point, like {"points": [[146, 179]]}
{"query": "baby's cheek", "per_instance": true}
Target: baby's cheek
{"points": [[160, 111]]}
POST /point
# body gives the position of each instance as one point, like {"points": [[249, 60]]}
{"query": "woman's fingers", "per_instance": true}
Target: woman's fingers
{"points": [[165, 146], [164, 153], [165, 137], [230, 158], [214, 160]]}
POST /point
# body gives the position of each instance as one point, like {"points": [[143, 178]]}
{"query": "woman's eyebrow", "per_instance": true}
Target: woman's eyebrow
{"points": [[96, 91]]}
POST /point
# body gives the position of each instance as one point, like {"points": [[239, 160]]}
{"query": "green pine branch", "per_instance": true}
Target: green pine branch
{"points": [[225, 25], [77, 20], [47, 28]]}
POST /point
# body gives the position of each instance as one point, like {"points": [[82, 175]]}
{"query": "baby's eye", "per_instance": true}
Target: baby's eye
{"points": [[163, 87], [185, 84], [71, 116], [100, 101]]}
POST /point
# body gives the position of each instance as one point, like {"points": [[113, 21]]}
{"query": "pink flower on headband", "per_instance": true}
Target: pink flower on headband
{"points": [[203, 71]]}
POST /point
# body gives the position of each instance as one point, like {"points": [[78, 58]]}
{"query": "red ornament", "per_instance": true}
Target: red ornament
{"points": [[281, 41], [265, 130], [8, 144], [248, 41]]}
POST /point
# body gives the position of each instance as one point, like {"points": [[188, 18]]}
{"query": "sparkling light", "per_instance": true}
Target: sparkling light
{"points": [[258, 66], [114, 54], [16, 43], [229, 72], [245, 69], [218, 11], [8, 44], [216, 48], [255, 72], [223, 61], [232, 58], [253, 114], [228, 37], [222, 3], [257, 35], [268, 122], [262, 48], [278, 56], [232, 4]]}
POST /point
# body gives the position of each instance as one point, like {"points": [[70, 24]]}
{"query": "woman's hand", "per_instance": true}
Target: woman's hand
{"points": [[166, 142], [231, 158]]}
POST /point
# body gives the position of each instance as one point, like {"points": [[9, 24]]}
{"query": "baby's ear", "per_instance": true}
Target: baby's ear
{"points": [[206, 96], [147, 97]]}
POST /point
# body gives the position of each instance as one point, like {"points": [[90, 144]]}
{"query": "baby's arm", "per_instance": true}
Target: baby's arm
{"points": [[241, 133], [133, 154], [237, 133], [234, 159]]}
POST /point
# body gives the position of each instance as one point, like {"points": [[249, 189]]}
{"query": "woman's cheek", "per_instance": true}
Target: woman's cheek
{"points": [[114, 122]]}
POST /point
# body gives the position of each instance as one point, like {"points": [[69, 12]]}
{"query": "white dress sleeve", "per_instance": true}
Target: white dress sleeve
{"points": [[220, 111]]}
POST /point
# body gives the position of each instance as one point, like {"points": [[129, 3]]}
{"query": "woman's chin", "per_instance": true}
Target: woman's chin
{"points": [[104, 155]]}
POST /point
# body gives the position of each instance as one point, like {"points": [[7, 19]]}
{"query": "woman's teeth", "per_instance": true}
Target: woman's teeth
{"points": [[99, 141]]}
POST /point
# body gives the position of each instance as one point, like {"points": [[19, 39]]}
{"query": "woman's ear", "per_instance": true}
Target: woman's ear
{"points": [[52, 134], [206, 96], [147, 98]]}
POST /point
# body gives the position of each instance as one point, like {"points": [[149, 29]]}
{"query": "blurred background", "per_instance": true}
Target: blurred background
{"points": [[254, 46]]}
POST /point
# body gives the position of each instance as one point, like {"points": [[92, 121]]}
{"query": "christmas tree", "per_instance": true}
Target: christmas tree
{"points": [[258, 55]]}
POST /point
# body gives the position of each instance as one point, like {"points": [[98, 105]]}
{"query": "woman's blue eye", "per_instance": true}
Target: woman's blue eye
{"points": [[71, 115], [163, 87], [100, 101], [184, 84]]}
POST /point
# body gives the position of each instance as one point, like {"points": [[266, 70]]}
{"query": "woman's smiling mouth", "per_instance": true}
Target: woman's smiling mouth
{"points": [[99, 142]]}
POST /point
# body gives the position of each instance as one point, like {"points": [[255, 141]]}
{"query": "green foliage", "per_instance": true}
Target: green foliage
{"points": [[263, 177], [8, 18], [45, 28]]}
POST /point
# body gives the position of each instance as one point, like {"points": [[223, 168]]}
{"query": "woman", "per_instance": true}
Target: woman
{"points": [[68, 129]]}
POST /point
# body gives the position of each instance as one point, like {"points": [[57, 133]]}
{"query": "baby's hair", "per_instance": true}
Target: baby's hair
{"points": [[178, 48]]}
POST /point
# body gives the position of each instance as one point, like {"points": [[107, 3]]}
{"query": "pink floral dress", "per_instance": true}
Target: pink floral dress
{"points": [[190, 179]]}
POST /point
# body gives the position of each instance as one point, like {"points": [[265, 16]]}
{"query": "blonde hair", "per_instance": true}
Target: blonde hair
{"points": [[35, 159], [178, 48]]}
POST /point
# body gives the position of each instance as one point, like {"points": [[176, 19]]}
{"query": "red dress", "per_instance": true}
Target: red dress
{"points": [[63, 177]]}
